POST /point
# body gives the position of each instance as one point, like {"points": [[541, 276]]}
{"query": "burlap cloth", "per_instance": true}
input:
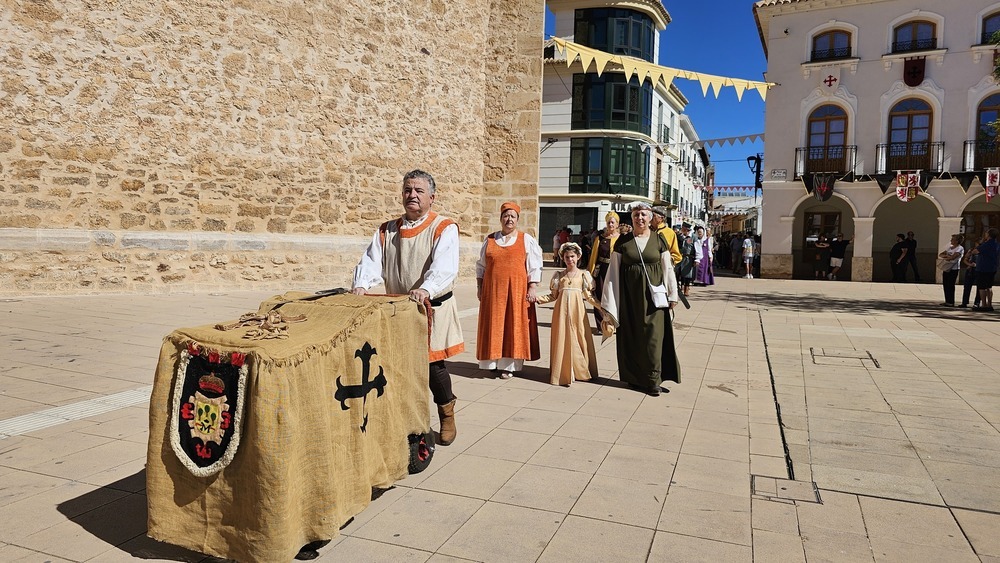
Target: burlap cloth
{"points": [[303, 467]]}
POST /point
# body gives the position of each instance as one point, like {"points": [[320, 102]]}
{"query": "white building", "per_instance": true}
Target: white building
{"points": [[867, 88], [607, 142]]}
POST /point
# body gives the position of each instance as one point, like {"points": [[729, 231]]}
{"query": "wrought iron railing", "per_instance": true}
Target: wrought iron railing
{"points": [[923, 155], [981, 154], [839, 159], [914, 45], [830, 54]]}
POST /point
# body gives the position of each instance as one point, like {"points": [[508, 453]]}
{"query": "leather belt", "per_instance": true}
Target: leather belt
{"points": [[440, 300], [604, 260]]}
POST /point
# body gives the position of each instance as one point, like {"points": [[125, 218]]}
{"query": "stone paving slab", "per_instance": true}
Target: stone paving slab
{"points": [[903, 451]]}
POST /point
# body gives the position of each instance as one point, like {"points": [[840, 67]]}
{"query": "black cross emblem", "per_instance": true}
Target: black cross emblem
{"points": [[829, 80], [345, 392]]}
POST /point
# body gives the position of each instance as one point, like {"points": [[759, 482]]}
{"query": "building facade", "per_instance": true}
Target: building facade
{"points": [[607, 142], [154, 146], [868, 89]]}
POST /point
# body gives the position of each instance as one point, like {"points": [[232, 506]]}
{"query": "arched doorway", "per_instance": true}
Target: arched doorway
{"points": [[813, 218], [893, 216]]}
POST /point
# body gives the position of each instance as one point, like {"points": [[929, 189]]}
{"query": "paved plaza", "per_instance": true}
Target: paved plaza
{"points": [[816, 421]]}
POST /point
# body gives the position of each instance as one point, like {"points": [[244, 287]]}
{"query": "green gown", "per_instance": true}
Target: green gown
{"points": [[646, 352]]}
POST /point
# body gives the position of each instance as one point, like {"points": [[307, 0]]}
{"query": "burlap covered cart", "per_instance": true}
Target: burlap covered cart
{"points": [[269, 434]]}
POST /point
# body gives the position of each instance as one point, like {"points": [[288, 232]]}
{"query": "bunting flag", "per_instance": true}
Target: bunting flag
{"points": [[733, 211], [656, 73], [907, 184], [992, 183], [964, 179], [721, 141], [884, 181], [728, 190]]}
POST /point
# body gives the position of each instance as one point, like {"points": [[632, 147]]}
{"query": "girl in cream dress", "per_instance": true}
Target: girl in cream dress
{"points": [[571, 353]]}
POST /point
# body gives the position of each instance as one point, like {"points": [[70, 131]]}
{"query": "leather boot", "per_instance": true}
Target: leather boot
{"points": [[446, 414]]}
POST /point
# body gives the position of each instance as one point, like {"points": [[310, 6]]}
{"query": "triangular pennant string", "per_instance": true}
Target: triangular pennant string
{"points": [[741, 86], [762, 90], [642, 68], [705, 83]]}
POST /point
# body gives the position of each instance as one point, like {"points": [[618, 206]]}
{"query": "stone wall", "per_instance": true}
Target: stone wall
{"points": [[182, 145]]}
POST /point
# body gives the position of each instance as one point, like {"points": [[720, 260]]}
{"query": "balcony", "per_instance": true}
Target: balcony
{"points": [[922, 155], [830, 54], [838, 159], [914, 45], [981, 154]]}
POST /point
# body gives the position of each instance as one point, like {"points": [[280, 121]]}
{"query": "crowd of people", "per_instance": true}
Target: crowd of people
{"points": [[633, 276], [980, 263]]}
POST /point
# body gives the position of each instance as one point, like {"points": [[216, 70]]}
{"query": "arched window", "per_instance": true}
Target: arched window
{"points": [[910, 135], [989, 113], [987, 148], [991, 25], [914, 36], [833, 44], [827, 140]]}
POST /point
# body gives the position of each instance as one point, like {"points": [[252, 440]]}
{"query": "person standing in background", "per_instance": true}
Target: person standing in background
{"points": [[952, 259], [911, 256], [838, 250], [897, 259]]}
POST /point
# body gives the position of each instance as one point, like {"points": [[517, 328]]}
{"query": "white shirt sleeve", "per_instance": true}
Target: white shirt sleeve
{"points": [[669, 278], [368, 272], [481, 263], [610, 297], [533, 261], [444, 262]]}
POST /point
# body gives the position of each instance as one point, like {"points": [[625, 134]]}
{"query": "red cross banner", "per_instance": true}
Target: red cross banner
{"points": [[829, 79], [907, 185]]}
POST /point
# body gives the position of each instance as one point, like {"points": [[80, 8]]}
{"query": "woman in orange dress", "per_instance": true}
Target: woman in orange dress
{"points": [[509, 268]]}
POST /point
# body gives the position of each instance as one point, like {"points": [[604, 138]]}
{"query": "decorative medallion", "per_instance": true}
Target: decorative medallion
{"points": [[207, 407]]}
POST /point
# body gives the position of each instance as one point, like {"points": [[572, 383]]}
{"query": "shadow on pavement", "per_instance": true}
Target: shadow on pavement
{"points": [[811, 302], [122, 523]]}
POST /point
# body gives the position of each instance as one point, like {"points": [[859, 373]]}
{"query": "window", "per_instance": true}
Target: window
{"points": [[987, 147], [835, 44], [989, 113], [827, 140], [914, 36], [608, 102], [909, 135], [618, 31], [605, 165], [991, 25]]}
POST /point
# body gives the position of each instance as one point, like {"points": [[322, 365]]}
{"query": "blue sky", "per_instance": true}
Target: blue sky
{"points": [[717, 37]]}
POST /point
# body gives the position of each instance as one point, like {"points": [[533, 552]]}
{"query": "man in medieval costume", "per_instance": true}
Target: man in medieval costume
{"points": [[417, 254]]}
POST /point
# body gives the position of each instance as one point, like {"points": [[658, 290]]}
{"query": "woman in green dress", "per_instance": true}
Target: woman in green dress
{"points": [[646, 352]]}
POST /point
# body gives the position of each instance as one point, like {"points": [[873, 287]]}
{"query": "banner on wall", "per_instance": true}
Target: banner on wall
{"points": [[907, 185], [992, 183], [823, 186]]}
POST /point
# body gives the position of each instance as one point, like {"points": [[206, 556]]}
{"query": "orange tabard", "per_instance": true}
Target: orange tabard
{"points": [[507, 324]]}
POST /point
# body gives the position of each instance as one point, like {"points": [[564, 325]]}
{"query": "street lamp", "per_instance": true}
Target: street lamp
{"points": [[754, 163]]}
